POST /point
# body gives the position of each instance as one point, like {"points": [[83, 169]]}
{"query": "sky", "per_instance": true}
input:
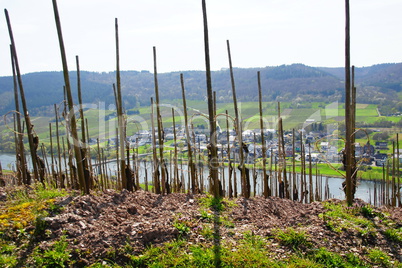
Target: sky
{"points": [[261, 33]]}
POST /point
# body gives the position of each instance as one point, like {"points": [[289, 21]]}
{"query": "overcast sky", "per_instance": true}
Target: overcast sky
{"points": [[261, 33]]}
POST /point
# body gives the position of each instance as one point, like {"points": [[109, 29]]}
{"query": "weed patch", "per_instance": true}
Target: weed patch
{"points": [[378, 257], [56, 256], [340, 218], [7, 258], [394, 234], [292, 238], [333, 260]]}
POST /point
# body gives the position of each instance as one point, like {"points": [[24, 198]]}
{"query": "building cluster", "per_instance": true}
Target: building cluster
{"points": [[318, 146]]}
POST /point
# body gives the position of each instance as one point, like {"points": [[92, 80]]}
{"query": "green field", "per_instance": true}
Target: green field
{"points": [[103, 123]]}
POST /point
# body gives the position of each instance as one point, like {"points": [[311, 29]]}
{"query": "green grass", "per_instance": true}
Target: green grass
{"points": [[26, 207], [211, 250], [394, 234], [292, 238], [324, 169], [378, 257], [249, 252], [339, 218], [58, 255], [333, 260], [7, 258]]}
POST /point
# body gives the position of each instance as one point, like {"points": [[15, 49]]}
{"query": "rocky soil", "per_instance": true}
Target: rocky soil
{"points": [[96, 225]]}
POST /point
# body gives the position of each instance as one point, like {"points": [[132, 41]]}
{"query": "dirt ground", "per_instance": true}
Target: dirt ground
{"points": [[97, 224]]}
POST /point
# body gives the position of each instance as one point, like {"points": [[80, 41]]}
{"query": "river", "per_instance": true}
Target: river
{"points": [[365, 189]]}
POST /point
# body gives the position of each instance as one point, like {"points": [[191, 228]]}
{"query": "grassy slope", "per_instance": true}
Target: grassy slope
{"points": [[21, 227]]}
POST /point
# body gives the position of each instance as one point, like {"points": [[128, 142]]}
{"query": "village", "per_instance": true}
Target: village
{"points": [[319, 146]]}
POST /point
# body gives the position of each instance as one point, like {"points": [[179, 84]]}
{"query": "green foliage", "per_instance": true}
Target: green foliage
{"points": [[300, 262], [328, 259], [27, 206], [44, 192], [207, 232], [7, 258], [381, 136], [333, 260], [354, 260], [250, 252], [292, 238], [57, 255], [211, 202], [207, 215], [379, 257], [215, 204], [339, 217], [105, 265], [253, 240], [394, 234], [181, 225]]}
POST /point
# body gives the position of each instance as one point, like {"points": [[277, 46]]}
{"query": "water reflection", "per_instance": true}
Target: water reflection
{"points": [[365, 189]]}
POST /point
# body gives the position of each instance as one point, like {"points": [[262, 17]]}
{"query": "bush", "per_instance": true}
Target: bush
{"points": [[381, 136]]}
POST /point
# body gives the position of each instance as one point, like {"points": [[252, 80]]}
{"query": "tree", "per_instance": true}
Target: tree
{"points": [[381, 136]]}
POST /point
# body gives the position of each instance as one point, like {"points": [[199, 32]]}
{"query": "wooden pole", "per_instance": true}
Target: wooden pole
{"points": [[21, 162], [245, 184], [398, 186], [159, 124], [80, 100], [100, 173], [295, 190], [213, 153], [264, 149], [348, 117], [393, 186], [176, 170], [73, 169], [62, 185], [310, 177], [77, 148], [68, 181], [16, 144], [88, 154], [193, 179], [33, 141], [122, 133], [53, 174], [353, 129], [228, 156], [118, 158], [157, 188], [45, 167], [283, 186]]}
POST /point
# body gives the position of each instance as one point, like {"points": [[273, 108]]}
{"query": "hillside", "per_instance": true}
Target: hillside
{"points": [[52, 228], [378, 84]]}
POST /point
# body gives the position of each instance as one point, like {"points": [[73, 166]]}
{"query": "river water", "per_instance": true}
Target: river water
{"points": [[365, 189]]}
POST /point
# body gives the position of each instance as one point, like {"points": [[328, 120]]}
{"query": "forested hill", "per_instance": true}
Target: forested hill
{"points": [[297, 82]]}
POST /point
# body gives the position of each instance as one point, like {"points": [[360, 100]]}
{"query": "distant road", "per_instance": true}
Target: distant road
{"points": [[378, 112]]}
